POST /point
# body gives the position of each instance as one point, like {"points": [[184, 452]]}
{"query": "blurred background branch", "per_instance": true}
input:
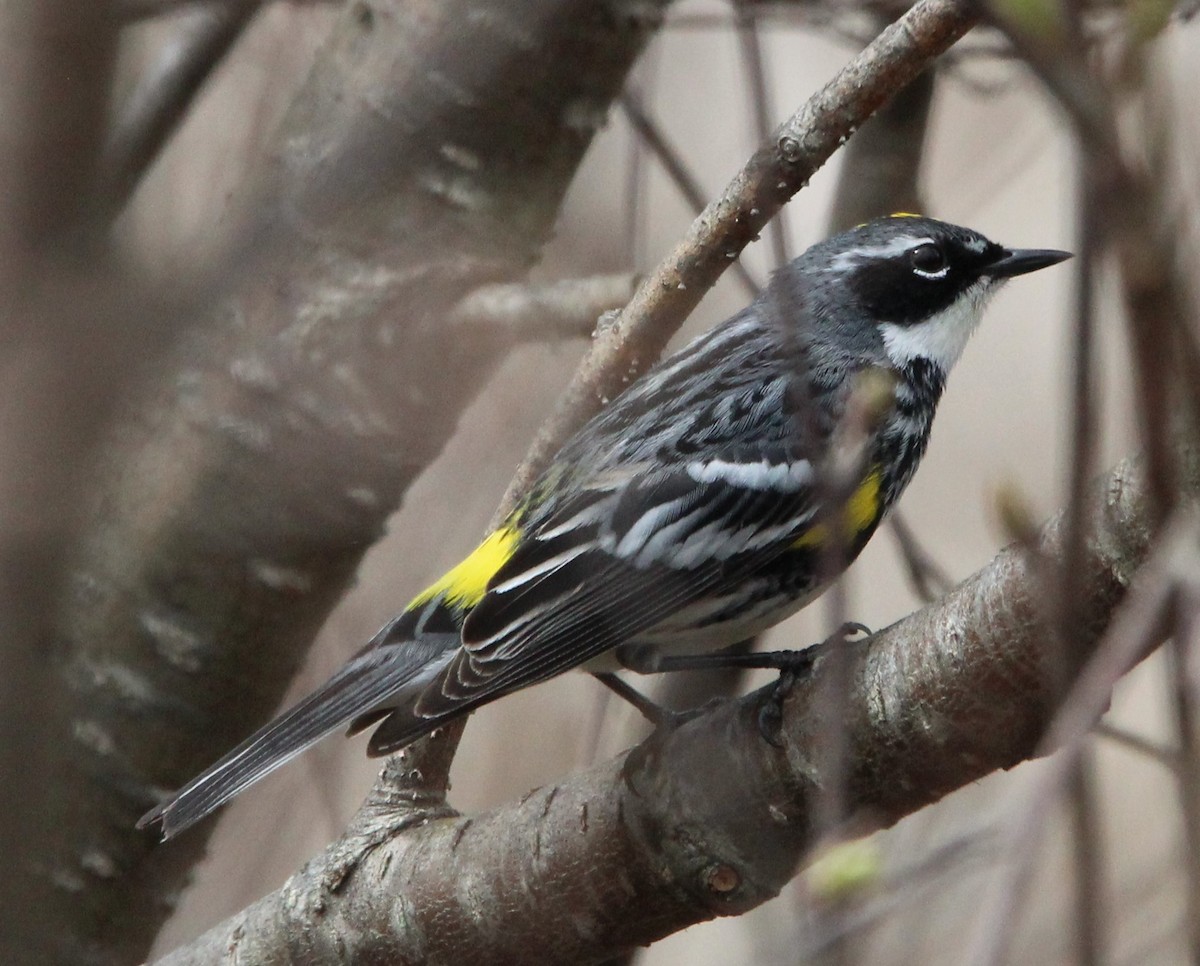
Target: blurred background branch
{"points": [[201, 36]]}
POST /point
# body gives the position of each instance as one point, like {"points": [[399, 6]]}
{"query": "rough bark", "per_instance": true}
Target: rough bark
{"points": [[426, 155]]}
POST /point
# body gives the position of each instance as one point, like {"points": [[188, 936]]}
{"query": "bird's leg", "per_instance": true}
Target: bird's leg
{"points": [[656, 714], [791, 665], [646, 660]]}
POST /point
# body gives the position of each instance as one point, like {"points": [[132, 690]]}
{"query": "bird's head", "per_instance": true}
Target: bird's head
{"points": [[904, 288]]}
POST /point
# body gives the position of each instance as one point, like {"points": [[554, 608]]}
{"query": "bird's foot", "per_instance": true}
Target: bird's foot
{"points": [[795, 666]]}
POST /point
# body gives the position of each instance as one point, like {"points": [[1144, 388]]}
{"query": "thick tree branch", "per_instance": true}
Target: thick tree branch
{"points": [[426, 155], [710, 819]]}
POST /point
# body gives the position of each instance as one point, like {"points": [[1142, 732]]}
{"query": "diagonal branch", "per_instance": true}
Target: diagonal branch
{"points": [[425, 155], [775, 172], [507, 315], [164, 93], [710, 819]]}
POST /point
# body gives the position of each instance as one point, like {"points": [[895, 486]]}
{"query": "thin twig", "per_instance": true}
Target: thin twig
{"points": [[635, 181], [1182, 659], [926, 576], [1129, 210], [750, 44], [164, 93], [1088, 861], [841, 472], [1138, 744], [524, 312], [1123, 207], [1083, 417], [902, 887], [881, 173], [775, 172], [651, 134], [1086, 851]]}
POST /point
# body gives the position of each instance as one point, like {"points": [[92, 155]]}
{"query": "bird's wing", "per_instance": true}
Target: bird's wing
{"points": [[612, 563]]}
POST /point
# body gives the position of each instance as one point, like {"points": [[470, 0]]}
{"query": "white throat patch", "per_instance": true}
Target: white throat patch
{"points": [[942, 337]]}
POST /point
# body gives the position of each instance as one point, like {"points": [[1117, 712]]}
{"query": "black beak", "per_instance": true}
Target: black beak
{"points": [[1019, 261]]}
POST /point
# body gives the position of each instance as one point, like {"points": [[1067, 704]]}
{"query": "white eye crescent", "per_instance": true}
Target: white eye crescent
{"points": [[929, 261]]}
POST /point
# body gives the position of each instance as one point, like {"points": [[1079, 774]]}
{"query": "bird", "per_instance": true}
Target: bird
{"points": [[691, 513]]}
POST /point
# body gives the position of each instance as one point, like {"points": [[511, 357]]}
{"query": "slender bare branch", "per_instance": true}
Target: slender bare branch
{"points": [[927, 578], [775, 172], [880, 174], [515, 313], [1154, 750], [1183, 655], [745, 16], [160, 100], [1137, 628], [1122, 207], [676, 167], [1064, 590], [1088, 860]]}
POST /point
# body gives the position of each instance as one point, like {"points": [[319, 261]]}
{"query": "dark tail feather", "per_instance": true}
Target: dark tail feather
{"points": [[389, 676]]}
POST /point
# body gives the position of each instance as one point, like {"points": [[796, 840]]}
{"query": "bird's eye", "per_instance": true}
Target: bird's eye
{"points": [[928, 259]]}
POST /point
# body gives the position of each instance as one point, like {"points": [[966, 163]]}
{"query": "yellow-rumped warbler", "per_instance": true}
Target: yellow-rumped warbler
{"points": [[690, 514]]}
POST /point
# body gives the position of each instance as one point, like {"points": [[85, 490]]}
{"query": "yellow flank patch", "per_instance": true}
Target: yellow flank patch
{"points": [[859, 514], [466, 584]]}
